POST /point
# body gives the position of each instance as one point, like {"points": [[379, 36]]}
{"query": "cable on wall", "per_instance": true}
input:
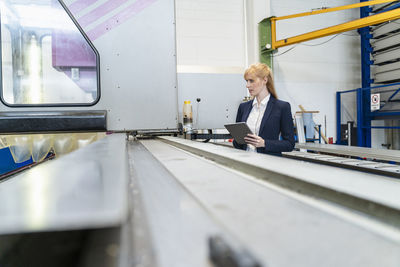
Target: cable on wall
{"points": [[324, 42]]}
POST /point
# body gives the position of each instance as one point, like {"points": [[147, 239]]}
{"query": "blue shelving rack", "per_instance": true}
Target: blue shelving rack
{"points": [[364, 114]]}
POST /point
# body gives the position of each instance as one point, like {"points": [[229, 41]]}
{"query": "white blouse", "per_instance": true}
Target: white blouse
{"points": [[255, 118]]}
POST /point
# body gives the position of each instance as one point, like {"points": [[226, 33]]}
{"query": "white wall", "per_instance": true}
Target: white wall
{"points": [[210, 33], [218, 34], [255, 11]]}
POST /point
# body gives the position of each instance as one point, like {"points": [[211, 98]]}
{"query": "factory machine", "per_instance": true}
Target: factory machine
{"points": [[140, 195]]}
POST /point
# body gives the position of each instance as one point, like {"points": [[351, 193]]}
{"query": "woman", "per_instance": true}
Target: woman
{"points": [[267, 117]]}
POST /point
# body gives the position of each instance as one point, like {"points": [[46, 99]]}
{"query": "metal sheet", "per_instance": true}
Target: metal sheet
{"points": [[84, 189], [386, 67], [138, 70], [388, 76], [386, 56], [283, 229], [384, 43], [386, 28]]}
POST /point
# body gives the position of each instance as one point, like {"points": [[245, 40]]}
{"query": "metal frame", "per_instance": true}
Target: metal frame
{"points": [[364, 113], [363, 121], [339, 111]]}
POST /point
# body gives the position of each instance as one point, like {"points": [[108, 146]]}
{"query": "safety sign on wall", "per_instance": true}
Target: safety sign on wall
{"points": [[375, 101]]}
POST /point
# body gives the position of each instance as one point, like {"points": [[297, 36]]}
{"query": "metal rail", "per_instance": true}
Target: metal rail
{"points": [[342, 162], [361, 152]]}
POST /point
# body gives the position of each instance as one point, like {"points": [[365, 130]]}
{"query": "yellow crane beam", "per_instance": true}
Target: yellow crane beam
{"points": [[348, 26], [332, 9]]}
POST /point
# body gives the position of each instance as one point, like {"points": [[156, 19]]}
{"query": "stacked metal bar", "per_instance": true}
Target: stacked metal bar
{"points": [[386, 47]]}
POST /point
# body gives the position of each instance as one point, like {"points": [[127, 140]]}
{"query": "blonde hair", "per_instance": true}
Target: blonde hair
{"points": [[262, 71]]}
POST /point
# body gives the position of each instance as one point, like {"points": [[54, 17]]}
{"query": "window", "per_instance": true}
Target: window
{"points": [[45, 58]]}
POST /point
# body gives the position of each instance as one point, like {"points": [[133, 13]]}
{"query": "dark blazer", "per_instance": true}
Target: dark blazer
{"points": [[277, 120]]}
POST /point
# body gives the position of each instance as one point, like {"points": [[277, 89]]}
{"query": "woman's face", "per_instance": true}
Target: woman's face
{"points": [[255, 85]]}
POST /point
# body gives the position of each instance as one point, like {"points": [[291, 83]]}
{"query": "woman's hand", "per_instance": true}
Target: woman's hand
{"points": [[254, 140]]}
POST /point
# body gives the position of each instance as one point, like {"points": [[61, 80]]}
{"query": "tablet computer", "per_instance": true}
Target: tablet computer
{"points": [[238, 131]]}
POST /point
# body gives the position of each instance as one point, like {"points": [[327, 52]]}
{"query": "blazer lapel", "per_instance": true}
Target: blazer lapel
{"points": [[247, 110], [267, 112]]}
